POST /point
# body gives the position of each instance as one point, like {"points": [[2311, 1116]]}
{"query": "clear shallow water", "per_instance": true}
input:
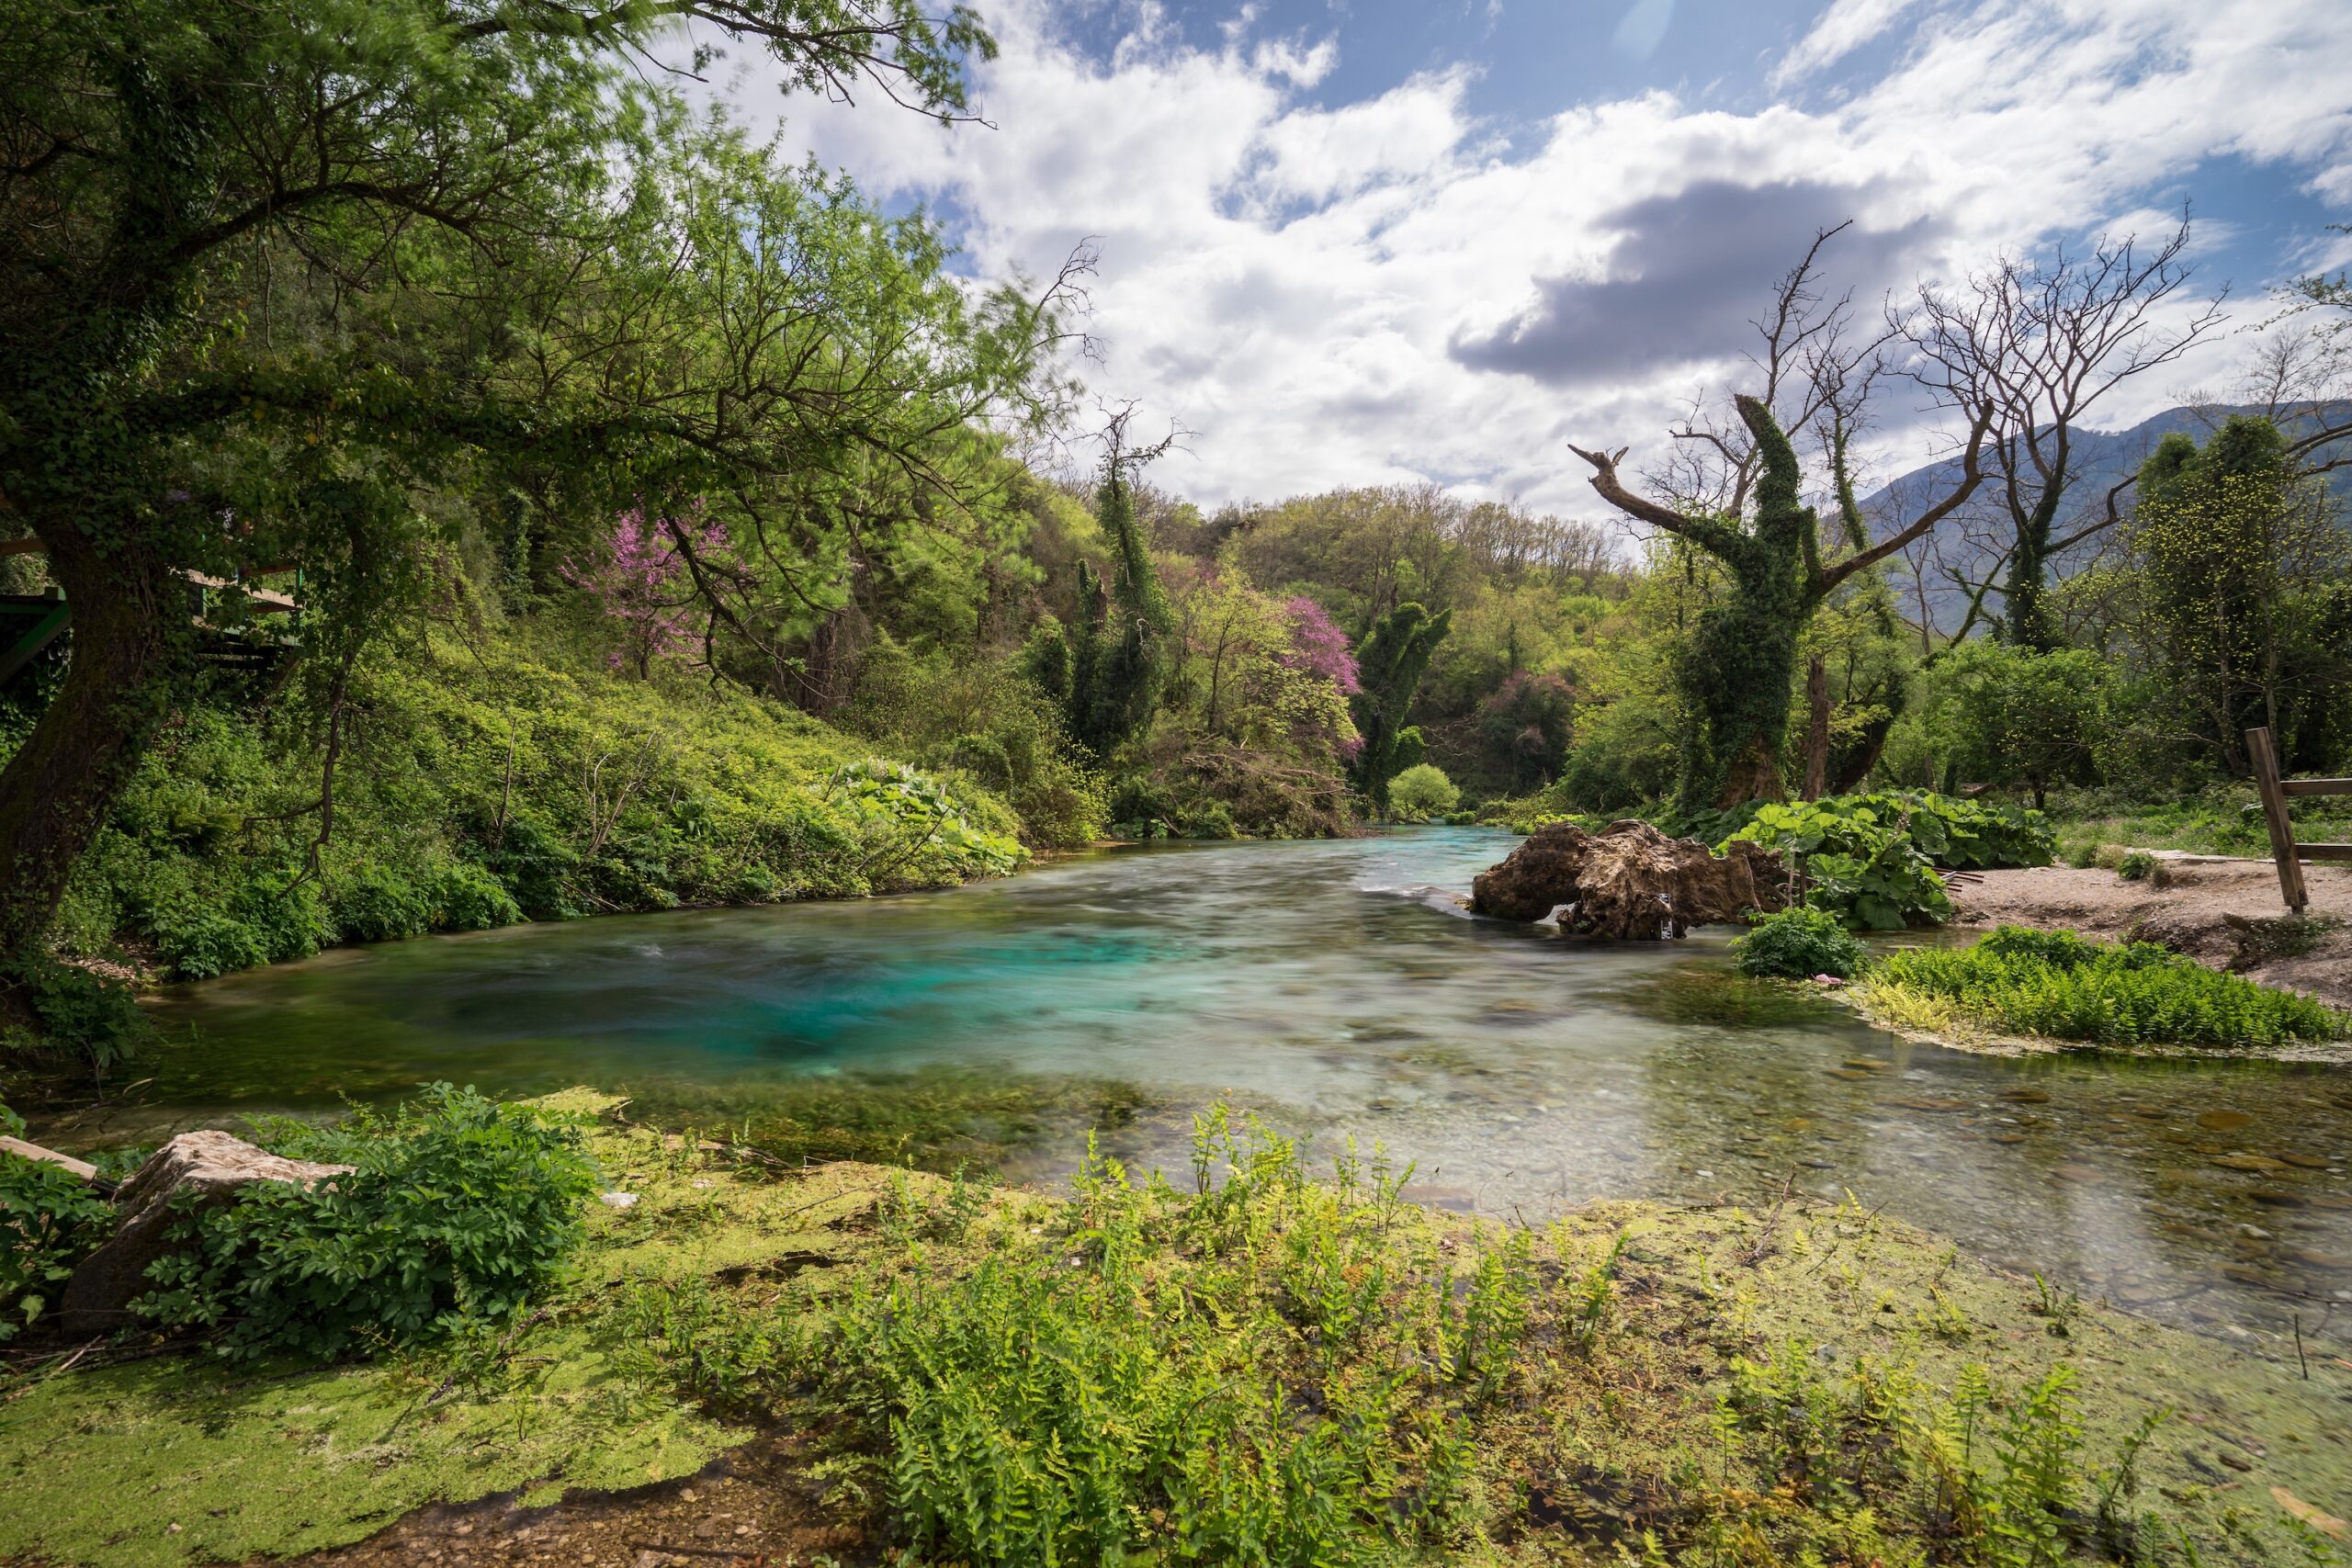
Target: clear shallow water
{"points": [[1339, 989]]}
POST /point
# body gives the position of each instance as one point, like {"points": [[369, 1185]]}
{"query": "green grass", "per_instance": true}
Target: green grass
{"points": [[2063, 987], [2224, 820]]}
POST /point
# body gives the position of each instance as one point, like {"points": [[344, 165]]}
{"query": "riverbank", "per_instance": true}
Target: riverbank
{"points": [[706, 1387]]}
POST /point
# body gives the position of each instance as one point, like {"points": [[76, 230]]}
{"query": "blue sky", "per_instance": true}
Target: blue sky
{"points": [[1370, 241]]}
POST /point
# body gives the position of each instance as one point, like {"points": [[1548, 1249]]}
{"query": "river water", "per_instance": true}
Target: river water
{"points": [[1337, 988]]}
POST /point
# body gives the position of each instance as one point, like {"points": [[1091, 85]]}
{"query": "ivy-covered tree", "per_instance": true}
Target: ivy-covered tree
{"points": [[1389, 665], [1118, 657], [266, 273], [1745, 508]]}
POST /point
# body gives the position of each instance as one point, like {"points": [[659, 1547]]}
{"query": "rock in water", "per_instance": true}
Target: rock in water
{"points": [[1629, 882], [213, 1165]]}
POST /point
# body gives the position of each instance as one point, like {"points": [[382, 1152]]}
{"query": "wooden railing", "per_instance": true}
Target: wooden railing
{"points": [[2276, 792]]}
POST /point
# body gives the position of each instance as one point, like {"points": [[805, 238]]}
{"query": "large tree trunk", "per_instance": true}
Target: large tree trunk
{"points": [[1754, 774], [128, 640], [1817, 729], [1855, 765]]}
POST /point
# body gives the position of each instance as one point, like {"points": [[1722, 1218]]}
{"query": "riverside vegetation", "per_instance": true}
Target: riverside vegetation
{"points": [[489, 485], [1248, 1364]]}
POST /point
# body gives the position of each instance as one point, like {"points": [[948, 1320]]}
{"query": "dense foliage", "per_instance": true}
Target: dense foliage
{"points": [[1872, 859], [1797, 945], [455, 1208], [367, 277], [48, 1218], [481, 786], [2059, 984]]}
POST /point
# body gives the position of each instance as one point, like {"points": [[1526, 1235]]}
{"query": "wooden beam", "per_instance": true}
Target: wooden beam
{"points": [[2274, 812], [2316, 787], [22, 548], [80, 1167], [2324, 852]]}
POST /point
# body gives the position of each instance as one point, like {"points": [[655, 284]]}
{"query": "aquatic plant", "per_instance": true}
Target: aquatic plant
{"points": [[1795, 944], [2060, 985]]}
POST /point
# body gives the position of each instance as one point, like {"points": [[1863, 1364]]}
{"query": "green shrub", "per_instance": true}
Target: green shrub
{"points": [[1795, 944], [1421, 791], [457, 1208], [2059, 984], [2137, 866], [378, 903], [466, 897], [1871, 858], [80, 1017], [48, 1218]]}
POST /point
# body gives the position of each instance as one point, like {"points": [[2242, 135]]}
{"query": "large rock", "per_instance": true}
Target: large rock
{"points": [[213, 1165], [1629, 882]]}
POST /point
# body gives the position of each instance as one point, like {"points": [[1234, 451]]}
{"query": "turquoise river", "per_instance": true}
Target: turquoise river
{"points": [[1337, 988]]}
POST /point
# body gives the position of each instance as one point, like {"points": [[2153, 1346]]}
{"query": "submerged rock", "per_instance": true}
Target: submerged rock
{"points": [[213, 1165], [1629, 882]]}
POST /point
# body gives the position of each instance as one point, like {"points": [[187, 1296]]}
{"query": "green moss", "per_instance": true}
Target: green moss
{"points": [[164, 1462]]}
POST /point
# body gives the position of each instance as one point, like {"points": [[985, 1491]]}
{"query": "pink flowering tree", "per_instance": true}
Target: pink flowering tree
{"points": [[1319, 648], [640, 578]]}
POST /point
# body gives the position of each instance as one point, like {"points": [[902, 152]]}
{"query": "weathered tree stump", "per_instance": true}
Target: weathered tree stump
{"points": [[1629, 882]]}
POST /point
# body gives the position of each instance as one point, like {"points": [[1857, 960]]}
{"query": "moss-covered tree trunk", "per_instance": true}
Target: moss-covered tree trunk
{"points": [[1739, 671], [129, 622], [1740, 667]]}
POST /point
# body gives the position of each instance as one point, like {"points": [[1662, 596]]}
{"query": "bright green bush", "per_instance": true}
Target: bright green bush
{"points": [[1795, 944], [2137, 866], [458, 1208], [1421, 791], [2059, 984]]}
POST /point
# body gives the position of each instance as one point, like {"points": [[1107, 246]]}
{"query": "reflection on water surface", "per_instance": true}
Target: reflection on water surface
{"points": [[1337, 988]]}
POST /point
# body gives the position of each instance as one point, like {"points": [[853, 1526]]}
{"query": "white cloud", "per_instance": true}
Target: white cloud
{"points": [[1289, 278], [1844, 27]]}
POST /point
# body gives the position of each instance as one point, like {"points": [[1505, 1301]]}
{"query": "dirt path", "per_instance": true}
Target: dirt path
{"points": [[2223, 913], [754, 1507]]}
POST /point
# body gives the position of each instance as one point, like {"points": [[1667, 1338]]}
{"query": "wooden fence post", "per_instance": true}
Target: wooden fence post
{"points": [[2274, 809]]}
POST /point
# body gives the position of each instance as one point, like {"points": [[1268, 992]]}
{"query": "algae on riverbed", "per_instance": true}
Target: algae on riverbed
{"points": [[1666, 1391]]}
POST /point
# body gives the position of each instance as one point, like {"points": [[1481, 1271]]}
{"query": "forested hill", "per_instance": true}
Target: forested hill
{"points": [[2102, 460]]}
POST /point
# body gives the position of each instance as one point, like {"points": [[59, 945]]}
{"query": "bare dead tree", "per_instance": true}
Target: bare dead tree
{"points": [[2042, 343]]}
